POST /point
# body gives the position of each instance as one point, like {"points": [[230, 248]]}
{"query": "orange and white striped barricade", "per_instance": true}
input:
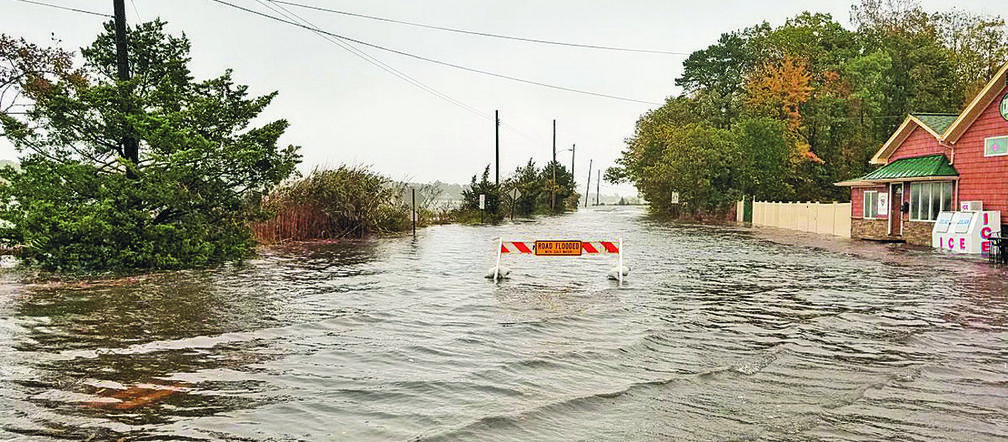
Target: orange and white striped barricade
{"points": [[565, 247]]}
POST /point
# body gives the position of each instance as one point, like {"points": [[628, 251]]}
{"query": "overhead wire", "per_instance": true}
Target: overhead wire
{"points": [[431, 60], [65, 8], [482, 34], [136, 11], [380, 64], [396, 72]]}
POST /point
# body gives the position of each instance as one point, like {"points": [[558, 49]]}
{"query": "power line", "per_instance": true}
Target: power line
{"points": [[384, 66], [65, 8], [431, 60], [482, 34], [136, 11], [402, 75]]}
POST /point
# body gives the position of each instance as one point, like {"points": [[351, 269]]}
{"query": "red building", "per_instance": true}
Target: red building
{"points": [[935, 163]]}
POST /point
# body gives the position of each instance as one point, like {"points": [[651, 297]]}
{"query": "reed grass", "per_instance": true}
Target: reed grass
{"points": [[348, 202]]}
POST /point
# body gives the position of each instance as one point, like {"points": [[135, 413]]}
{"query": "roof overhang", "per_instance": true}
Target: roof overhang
{"points": [[914, 179], [872, 183], [976, 107], [855, 183]]}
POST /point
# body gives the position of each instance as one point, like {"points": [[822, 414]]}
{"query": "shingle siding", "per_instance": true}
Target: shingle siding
{"points": [[918, 144], [857, 199], [983, 178]]}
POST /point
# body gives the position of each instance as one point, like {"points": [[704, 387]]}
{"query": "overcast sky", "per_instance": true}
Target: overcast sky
{"points": [[345, 110]]}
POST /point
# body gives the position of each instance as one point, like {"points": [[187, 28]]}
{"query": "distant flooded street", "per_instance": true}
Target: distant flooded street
{"points": [[719, 333]]}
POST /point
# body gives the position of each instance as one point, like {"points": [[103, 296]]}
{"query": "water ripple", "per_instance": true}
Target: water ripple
{"points": [[720, 333]]}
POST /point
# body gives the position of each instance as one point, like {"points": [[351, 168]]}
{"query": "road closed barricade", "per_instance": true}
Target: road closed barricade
{"points": [[560, 247]]}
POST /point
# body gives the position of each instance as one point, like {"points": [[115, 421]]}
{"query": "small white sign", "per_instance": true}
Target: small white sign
{"points": [[675, 198], [482, 201], [883, 205]]}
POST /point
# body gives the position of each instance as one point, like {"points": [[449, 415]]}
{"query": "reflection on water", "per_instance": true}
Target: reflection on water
{"points": [[720, 333]]}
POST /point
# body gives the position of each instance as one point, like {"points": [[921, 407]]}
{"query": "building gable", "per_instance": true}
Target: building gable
{"points": [[920, 142], [983, 172], [992, 93], [920, 134]]}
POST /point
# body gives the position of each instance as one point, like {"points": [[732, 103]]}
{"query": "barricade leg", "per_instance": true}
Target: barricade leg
{"points": [[619, 270], [500, 244]]}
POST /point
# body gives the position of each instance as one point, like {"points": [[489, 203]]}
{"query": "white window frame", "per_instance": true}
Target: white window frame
{"points": [[987, 141], [870, 210], [934, 193]]}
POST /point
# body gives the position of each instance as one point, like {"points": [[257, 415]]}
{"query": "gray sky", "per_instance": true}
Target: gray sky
{"points": [[345, 110]]}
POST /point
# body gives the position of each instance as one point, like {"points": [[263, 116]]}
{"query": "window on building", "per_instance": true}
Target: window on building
{"points": [[870, 204], [929, 199], [995, 146]]}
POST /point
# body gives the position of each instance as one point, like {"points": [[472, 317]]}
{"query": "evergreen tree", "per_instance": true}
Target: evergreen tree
{"points": [[79, 204]]}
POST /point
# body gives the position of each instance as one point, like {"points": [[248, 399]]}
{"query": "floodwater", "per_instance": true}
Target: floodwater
{"points": [[719, 333]]}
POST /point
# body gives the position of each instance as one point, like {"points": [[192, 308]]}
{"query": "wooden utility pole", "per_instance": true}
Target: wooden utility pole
{"points": [[553, 187], [497, 142], [572, 165], [130, 146], [597, 182], [554, 140], [588, 185]]}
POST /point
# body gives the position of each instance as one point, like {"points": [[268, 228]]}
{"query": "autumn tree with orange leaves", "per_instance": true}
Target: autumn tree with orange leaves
{"points": [[779, 89]]}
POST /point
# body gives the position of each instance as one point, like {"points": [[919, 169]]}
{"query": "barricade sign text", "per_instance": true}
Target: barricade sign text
{"points": [[558, 248]]}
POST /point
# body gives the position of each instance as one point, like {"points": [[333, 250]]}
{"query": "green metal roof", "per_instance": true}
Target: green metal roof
{"points": [[919, 167], [937, 122]]}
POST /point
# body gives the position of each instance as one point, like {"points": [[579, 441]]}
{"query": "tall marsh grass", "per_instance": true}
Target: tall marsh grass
{"points": [[333, 204]]}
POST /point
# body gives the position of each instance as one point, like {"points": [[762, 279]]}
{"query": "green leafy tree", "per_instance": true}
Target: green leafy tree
{"points": [[78, 204], [526, 181], [978, 45], [673, 152], [559, 191], [698, 164], [922, 73], [763, 166], [471, 196], [646, 146], [714, 76]]}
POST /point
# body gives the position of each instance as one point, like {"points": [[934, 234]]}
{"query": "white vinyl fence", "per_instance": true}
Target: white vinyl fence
{"points": [[821, 218]]}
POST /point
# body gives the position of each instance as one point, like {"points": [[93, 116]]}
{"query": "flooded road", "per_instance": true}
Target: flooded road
{"points": [[719, 333]]}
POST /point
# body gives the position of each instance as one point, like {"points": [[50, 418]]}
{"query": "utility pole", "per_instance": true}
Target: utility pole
{"points": [[553, 187], [597, 182], [554, 140], [588, 185], [497, 142], [130, 146], [572, 165]]}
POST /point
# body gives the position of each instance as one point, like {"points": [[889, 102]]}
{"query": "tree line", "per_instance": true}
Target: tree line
{"points": [[781, 113]]}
